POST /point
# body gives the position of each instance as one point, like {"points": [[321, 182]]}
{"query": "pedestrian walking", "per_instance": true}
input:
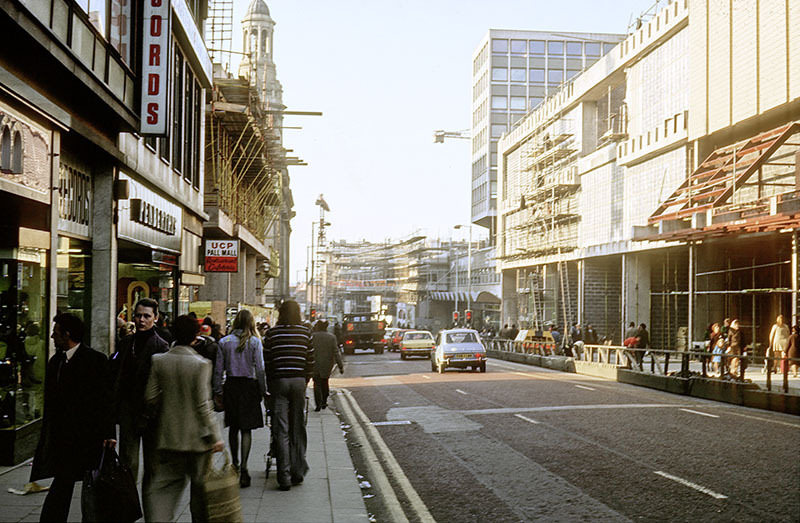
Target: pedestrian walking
{"points": [[240, 380], [778, 343], [77, 420], [179, 397], [131, 370], [289, 357], [737, 346], [326, 353]]}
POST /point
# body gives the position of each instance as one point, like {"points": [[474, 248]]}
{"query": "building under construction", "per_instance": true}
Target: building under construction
{"points": [[654, 189]]}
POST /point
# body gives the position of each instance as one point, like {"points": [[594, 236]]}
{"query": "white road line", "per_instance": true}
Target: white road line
{"points": [[793, 425], [701, 413], [520, 416], [426, 376], [584, 387], [399, 422], [689, 484], [461, 392], [378, 377]]}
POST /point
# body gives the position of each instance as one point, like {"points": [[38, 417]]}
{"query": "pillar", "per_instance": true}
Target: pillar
{"points": [[104, 261], [690, 334], [795, 248], [581, 282]]}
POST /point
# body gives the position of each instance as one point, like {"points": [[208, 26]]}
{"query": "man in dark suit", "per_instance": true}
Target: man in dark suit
{"points": [[326, 353], [77, 419]]}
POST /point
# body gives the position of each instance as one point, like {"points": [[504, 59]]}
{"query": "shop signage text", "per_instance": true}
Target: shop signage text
{"points": [[148, 214], [222, 256], [155, 67]]}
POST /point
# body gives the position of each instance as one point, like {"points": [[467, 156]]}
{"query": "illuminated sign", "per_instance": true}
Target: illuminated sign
{"points": [[222, 256], [155, 67]]}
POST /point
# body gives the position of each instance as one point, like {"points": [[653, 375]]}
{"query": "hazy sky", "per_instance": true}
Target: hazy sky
{"points": [[386, 74]]}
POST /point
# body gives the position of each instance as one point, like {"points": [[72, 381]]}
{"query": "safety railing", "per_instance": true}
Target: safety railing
{"points": [[724, 366]]}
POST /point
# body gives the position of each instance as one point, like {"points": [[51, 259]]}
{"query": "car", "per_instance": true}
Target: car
{"points": [[416, 343], [387, 338], [397, 337], [458, 348]]}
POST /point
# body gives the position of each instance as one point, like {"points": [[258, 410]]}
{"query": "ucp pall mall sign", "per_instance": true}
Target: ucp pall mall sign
{"points": [[155, 67], [222, 256]]}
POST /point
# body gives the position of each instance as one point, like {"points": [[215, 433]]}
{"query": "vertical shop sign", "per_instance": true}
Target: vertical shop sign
{"points": [[222, 256], [155, 67]]}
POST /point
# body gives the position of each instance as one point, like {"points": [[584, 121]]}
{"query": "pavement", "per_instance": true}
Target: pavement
{"points": [[330, 491]]}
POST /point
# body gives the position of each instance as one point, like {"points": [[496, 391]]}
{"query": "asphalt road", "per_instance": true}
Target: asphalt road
{"points": [[522, 443]]}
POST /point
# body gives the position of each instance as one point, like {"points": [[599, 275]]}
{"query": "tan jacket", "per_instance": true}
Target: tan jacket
{"points": [[179, 389]]}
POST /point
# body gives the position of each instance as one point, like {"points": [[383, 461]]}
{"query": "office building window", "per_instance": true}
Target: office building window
{"points": [[518, 46], [533, 101], [571, 73], [556, 48], [536, 46], [608, 47], [499, 45], [177, 109], [536, 75], [518, 103], [574, 48], [555, 76], [592, 49], [498, 129], [499, 102], [517, 75], [499, 74]]}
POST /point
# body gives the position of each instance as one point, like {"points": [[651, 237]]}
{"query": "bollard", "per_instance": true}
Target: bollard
{"points": [[685, 365]]}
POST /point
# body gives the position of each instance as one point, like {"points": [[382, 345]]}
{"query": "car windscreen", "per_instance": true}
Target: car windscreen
{"points": [[417, 336], [461, 337]]}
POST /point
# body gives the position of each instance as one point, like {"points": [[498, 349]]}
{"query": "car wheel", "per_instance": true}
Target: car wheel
{"points": [[483, 367]]}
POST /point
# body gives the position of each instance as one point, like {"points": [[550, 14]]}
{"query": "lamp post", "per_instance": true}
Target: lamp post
{"points": [[469, 266]]}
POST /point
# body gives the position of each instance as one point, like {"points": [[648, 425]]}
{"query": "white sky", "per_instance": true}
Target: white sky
{"points": [[386, 74]]}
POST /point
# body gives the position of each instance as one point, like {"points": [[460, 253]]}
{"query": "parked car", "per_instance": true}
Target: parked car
{"points": [[416, 343], [458, 348]]}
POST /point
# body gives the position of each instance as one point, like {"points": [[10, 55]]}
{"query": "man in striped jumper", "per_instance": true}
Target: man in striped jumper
{"points": [[289, 361]]}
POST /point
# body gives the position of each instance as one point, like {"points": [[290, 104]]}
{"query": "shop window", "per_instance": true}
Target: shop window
{"points": [[16, 153], [74, 277]]}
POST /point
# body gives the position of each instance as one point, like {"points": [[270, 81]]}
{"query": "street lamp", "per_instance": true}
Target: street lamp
{"points": [[469, 266]]}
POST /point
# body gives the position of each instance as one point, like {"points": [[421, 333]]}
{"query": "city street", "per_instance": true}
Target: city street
{"points": [[526, 443]]}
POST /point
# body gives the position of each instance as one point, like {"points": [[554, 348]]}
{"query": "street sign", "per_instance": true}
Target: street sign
{"points": [[222, 256]]}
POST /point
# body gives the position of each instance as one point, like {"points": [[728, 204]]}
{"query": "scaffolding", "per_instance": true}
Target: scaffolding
{"points": [[219, 31]]}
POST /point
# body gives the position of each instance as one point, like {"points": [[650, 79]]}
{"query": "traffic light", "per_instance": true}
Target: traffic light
{"points": [[468, 315], [313, 314], [455, 316]]}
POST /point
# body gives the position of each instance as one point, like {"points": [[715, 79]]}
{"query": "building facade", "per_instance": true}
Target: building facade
{"points": [[655, 189], [513, 72]]}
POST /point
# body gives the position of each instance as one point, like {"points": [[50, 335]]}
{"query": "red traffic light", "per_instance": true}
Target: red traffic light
{"points": [[455, 316], [468, 315]]}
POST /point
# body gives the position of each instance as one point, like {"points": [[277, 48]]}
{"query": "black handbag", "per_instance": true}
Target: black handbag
{"points": [[109, 492]]}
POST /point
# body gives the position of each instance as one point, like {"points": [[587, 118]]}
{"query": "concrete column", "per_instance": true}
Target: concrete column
{"points": [[581, 282], [690, 316], [636, 289], [509, 297], [104, 261], [795, 254]]}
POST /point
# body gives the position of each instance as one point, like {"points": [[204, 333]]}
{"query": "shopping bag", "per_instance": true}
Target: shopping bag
{"points": [[109, 492], [222, 493]]}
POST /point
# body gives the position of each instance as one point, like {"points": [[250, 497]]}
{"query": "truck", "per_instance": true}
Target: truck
{"points": [[363, 332]]}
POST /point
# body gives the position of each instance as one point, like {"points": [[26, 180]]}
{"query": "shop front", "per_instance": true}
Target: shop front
{"points": [[148, 251]]}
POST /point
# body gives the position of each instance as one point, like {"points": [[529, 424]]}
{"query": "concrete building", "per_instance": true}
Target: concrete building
{"points": [[653, 188], [512, 72], [103, 199]]}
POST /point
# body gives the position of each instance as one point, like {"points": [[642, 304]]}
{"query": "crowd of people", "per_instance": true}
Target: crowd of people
{"points": [[157, 394]]}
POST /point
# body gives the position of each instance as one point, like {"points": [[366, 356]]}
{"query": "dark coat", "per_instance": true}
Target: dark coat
{"points": [[124, 362], [737, 341], [326, 352], [77, 416]]}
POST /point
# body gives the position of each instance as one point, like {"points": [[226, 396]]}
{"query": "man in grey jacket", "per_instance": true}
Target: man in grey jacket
{"points": [[179, 396], [326, 351]]}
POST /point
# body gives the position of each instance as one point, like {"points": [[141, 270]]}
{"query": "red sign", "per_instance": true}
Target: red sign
{"points": [[222, 256]]}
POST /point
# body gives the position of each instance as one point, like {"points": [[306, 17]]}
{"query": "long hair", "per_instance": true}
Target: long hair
{"points": [[289, 313], [245, 322]]}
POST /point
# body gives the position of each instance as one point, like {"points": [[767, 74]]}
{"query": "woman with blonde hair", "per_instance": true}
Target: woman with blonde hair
{"points": [[239, 379], [778, 342]]}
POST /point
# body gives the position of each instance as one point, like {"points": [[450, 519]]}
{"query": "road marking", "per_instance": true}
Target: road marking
{"points": [[701, 413], [399, 422], [584, 387], [555, 408], [520, 416], [426, 376], [689, 484], [793, 425], [461, 392]]}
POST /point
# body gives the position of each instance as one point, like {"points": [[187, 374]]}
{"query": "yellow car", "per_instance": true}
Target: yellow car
{"points": [[416, 343]]}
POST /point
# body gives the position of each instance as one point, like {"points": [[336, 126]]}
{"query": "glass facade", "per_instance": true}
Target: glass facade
{"points": [[74, 278], [24, 330]]}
